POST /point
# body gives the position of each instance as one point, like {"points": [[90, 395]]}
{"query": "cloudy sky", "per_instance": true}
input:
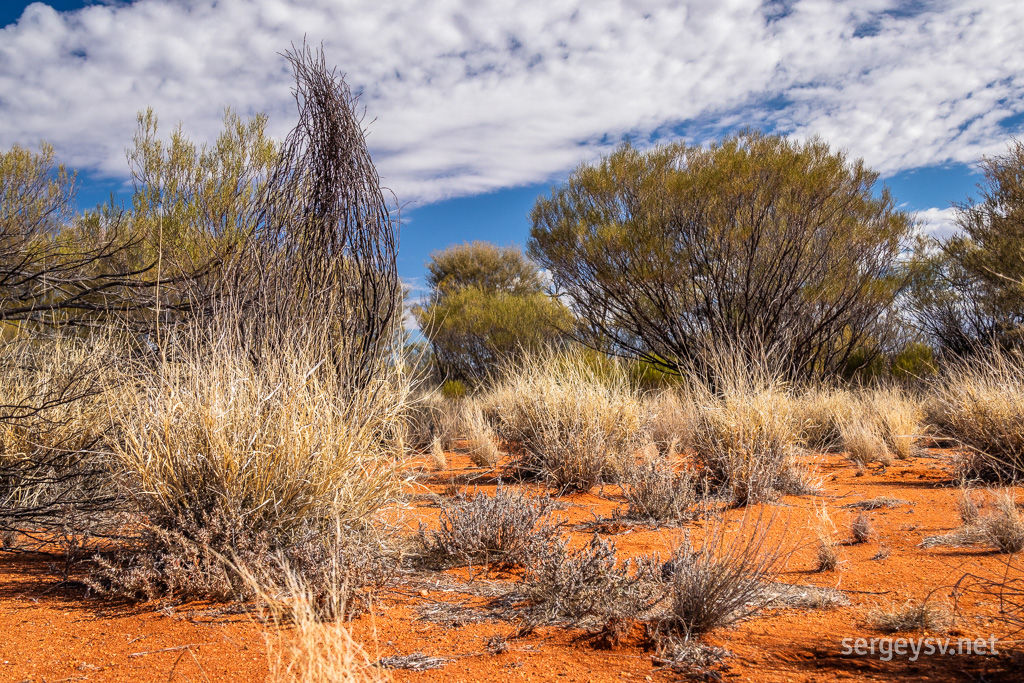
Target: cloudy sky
{"points": [[480, 105]]}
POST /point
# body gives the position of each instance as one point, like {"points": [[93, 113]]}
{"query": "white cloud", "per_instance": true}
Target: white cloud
{"points": [[475, 95], [937, 222]]}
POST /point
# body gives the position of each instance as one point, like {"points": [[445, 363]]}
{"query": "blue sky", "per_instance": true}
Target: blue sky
{"points": [[478, 106]]}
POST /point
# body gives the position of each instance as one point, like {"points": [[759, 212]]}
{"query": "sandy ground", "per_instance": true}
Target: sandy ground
{"points": [[51, 631]]}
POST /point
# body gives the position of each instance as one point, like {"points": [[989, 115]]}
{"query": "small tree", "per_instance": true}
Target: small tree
{"points": [[970, 287], [487, 303], [759, 243]]}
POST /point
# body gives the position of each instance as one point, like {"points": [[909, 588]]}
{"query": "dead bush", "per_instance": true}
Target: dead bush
{"points": [[861, 528], [587, 586], [722, 579], [657, 492], [501, 531]]}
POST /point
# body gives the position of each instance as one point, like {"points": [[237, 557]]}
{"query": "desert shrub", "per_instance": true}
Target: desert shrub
{"points": [[720, 580], [221, 556], [571, 425], [746, 434], [979, 402], [480, 436], [861, 528], [863, 441], [655, 491], [587, 586], [486, 307], [1004, 527], [672, 422], [756, 240], [911, 616], [900, 418], [428, 418], [968, 294], [54, 429], [915, 361], [219, 456], [501, 531], [822, 411]]}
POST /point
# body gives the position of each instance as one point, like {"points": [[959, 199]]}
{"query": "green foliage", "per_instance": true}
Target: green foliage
{"points": [[915, 360], [194, 203], [454, 388], [760, 242], [487, 306], [969, 288]]}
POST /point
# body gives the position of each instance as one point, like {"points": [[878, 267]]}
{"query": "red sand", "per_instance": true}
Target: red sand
{"points": [[51, 632]]}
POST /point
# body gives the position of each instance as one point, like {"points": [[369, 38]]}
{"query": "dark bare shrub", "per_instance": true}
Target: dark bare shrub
{"points": [[657, 492], [720, 580], [861, 528], [501, 531], [587, 586]]}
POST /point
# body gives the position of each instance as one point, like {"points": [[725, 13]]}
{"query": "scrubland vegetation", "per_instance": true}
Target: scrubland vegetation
{"points": [[208, 394]]}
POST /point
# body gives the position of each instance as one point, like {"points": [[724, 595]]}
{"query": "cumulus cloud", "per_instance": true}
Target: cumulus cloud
{"points": [[470, 96], [937, 222]]}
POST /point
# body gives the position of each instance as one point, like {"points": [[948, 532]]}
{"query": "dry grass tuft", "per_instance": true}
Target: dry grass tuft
{"points": [[481, 438], [303, 646], [674, 415], [861, 528], [912, 616], [822, 413], [1002, 528], [746, 437], [225, 459], [864, 442], [900, 419], [827, 553], [979, 402], [572, 425]]}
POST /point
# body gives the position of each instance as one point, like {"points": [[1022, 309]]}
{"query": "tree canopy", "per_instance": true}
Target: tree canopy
{"points": [[759, 242], [486, 305], [970, 289]]}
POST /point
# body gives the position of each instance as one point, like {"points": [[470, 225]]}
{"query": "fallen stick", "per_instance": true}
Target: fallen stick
{"points": [[168, 649]]}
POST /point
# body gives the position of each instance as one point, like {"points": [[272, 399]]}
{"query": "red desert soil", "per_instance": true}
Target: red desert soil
{"points": [[51, 632]]}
